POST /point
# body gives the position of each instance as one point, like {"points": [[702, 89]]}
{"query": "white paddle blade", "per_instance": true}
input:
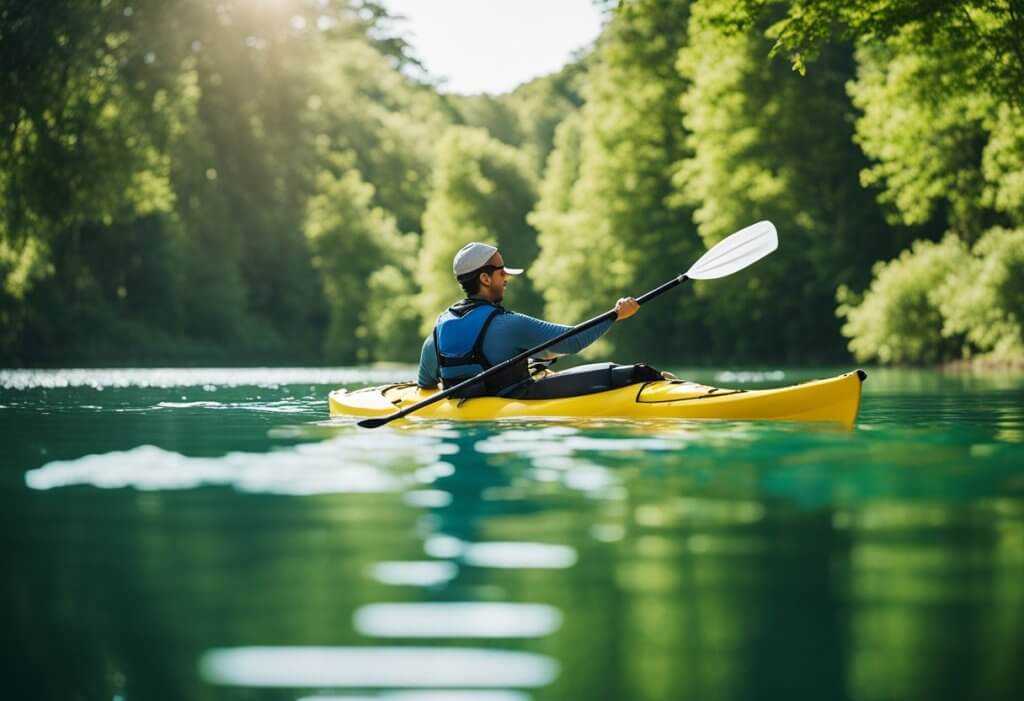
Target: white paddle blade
{"points": [[736, 252]]}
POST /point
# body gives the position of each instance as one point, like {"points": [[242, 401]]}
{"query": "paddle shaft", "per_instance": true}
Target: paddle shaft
{"points": [[374, 422]]}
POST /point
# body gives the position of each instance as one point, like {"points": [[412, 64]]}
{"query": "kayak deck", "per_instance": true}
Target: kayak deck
{"points": [[834, 400]]}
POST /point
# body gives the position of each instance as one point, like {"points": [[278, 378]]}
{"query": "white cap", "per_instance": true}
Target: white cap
{"points": [[474, 256]]}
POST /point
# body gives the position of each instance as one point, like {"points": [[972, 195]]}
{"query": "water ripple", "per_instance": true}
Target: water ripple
{"points": [[344, 464], [208, 378]]}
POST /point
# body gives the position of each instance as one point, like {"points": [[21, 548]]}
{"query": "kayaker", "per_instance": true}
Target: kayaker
{"points": [[477, 333]]}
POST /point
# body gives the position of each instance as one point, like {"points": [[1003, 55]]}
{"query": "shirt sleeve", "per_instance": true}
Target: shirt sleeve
{"points": [[511, 334], [428, 374]]}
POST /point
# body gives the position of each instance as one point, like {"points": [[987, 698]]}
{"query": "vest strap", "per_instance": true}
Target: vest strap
{"points": [[475, 358]]}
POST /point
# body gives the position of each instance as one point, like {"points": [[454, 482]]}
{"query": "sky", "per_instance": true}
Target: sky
{"points": [[493, 46]]}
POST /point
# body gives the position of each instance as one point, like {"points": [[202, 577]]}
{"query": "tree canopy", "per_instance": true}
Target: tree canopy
{"points": [[226, 181]]}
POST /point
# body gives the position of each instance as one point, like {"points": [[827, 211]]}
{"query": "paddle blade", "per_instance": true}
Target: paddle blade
{"points": [[736, 252], [373, 422]]}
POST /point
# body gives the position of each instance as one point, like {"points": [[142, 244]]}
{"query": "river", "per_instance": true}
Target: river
{"points": [[213, 534]]}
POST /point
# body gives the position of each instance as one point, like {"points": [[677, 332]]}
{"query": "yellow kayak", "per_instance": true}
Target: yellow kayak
{"points": [[834, 400]]}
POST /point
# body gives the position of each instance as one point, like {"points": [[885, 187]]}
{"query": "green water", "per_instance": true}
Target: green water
{"points": [[211, 534]]}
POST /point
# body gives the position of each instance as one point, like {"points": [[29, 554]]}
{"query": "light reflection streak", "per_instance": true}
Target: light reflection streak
{"points": [[427, 498], [432, 695], [428, 573], [457, 620], [443, 546], [345, 464], [540, 442], [196, 377], [502, 554], [513, 555], [376, 667]]}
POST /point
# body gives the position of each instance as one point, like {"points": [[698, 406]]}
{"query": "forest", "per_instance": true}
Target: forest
{"points": [[240, 182]]}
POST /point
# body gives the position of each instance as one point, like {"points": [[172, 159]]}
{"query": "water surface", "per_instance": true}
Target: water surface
{"points": [[212, 534]]}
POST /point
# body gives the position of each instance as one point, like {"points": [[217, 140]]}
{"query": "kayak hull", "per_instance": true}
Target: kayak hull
{"points": [[833, 400]]}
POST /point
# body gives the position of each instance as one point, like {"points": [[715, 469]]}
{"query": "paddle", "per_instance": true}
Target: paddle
{"points": [[729, 255]]}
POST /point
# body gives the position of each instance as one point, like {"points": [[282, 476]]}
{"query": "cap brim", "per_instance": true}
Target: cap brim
{"points": [[514, 271]]}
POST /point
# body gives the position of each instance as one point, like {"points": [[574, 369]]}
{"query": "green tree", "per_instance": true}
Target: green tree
{"points": [[927, 141], [899, 319], [362, 105], [564, 253], [981, 37], [489, 112], [770, 144], [81, 144], [940, 301], [527, 117], [482, 191], [157, 162], [983, 299], [354, 243], [942, 121], [542, 104], [609, 220]]}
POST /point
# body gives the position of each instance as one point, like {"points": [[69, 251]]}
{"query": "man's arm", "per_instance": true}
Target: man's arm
{"points": [[429, 375], [511, 334], [525, 332]]}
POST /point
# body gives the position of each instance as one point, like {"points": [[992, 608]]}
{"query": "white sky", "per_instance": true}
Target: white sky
{"points": [[494, 45]]}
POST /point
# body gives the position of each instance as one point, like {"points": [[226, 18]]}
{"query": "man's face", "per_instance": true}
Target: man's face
{"points": [[496, 281]]}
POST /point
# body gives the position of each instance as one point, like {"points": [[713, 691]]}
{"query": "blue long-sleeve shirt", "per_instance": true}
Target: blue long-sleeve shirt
{"points": [[509, 335]]}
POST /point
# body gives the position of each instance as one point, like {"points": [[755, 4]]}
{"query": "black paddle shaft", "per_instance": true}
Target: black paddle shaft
{"points": [[376, 421]]}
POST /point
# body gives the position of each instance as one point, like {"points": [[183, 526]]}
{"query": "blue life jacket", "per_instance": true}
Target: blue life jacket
{"points": [[458, 341]]}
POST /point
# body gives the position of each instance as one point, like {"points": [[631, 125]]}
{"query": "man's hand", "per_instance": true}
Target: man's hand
{"points": [[626, 307]]}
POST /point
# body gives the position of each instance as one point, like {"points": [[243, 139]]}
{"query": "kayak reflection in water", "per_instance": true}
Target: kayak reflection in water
{"points": [[477, 333]]}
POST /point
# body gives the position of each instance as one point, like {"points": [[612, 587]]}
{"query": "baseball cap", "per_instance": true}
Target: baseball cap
{"points": [[474, 256]]}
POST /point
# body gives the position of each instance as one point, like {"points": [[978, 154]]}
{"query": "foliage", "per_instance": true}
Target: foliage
{"points": [[768, 144], [80, 76], [941, 301], [270, 182], [928, 142], [609, 224], [899, 319], [187, 138], [982, 36], [984, 299], [564, 253], [352, 241], [544, 103], [363, 106], [939, 87], [482, 191], [528, 116]]}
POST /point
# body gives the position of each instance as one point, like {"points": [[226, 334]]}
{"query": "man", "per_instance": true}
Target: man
{"points": [[478, 333]]}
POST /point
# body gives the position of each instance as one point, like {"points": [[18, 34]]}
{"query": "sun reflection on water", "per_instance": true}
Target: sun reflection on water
{"points": [[376, 667], [457, 619]]}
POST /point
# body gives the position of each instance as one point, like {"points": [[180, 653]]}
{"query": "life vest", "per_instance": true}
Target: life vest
{"points": [[458, 341]]}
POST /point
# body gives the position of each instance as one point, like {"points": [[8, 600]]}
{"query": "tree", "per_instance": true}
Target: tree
{"points": [[482, 191], [363, 106], [81, 144], [899, 318], [353, 241], [770, 144], [983, 299], [610, 224], [156, 165], [527, 117], [985, 32], [943, 124]]}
